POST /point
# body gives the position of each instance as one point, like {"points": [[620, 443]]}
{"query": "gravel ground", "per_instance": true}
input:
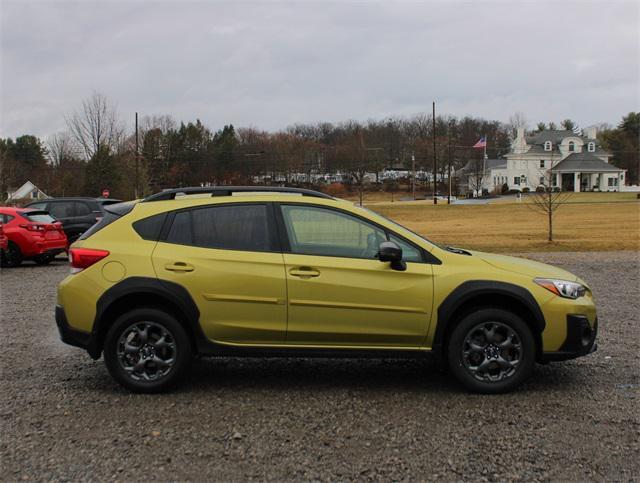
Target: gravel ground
{"points": [[63, 418]]}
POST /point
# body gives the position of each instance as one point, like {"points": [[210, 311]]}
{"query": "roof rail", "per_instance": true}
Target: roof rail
{"points": [[229, 190]]}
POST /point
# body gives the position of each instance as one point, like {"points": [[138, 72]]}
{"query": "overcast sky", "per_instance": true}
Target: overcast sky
{"points": [[269, 65]]}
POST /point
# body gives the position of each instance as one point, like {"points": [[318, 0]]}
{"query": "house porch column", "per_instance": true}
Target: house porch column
{"points": [[576, 182]]}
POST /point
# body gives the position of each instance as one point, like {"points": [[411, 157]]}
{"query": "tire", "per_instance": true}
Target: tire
{"points": [[166, 340], [491, 351], [43, 259], [12, 256]]}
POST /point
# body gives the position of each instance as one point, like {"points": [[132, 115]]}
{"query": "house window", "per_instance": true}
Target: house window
{"points": [[572, 146], [547, 145], [516, 180], [613, 182], [542, 180], [591, 147], [542, 163]]}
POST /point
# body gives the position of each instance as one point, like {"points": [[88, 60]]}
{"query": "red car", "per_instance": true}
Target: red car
{"points": [[4, 241], [33, 235]]}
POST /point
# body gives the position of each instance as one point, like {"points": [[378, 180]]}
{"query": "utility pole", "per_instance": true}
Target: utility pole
{"points": [[135, 190], [449, 167], [413, 175], [435, 159]]}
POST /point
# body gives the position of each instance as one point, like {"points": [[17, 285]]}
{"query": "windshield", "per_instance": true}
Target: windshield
{"points": [[38, 216]]}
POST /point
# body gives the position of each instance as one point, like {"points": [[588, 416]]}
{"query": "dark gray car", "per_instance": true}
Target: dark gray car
{"points": [[76, 214]]}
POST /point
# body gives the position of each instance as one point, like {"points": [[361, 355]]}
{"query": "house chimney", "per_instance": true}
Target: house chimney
{"points": [[591, 132]]}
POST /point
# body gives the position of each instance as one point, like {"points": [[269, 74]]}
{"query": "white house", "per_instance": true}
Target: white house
{"points": [[27, 191], [558, 158]]}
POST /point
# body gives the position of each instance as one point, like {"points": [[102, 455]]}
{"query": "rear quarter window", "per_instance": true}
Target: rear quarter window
{"points": [[149, 228]]}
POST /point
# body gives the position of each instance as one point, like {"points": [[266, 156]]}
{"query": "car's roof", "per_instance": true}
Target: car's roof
{"points": [[201, 200], [9, 209], [15, 209], [75, 198]]}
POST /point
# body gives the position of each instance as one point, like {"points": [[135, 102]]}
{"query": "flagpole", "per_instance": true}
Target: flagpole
{"points": [[484, 163]]}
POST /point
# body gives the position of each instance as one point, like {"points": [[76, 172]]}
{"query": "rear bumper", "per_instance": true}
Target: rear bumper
{"points": [[580, 341], [74, 337], [41, 247]]}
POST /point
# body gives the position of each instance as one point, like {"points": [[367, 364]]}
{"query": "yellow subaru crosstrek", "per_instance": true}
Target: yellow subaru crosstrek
{"points": [[248, 271]]}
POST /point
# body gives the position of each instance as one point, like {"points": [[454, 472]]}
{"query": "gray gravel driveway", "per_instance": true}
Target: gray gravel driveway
{"points": [[63, 418]]}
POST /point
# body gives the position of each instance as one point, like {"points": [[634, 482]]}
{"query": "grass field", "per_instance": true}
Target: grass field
{"points": [[583, 224]]}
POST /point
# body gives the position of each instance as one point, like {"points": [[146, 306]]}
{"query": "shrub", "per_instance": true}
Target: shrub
{"points": [[526, 190], [505, 189], [336, 189]]}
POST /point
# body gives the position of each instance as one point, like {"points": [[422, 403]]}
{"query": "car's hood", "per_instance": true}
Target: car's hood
{"points": [[525, 266]]}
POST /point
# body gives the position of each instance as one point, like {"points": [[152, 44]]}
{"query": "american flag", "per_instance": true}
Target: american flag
{"points": [[482, 143]]}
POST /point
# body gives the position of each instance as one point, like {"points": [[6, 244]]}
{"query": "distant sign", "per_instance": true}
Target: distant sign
{"points": [[106, 193]]}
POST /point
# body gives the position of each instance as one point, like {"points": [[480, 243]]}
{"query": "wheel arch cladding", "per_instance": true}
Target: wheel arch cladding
{"points": [[476, 294], [137, 292]]}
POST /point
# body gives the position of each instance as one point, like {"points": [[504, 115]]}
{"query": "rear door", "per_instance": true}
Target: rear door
{"points": [[227, 257]]}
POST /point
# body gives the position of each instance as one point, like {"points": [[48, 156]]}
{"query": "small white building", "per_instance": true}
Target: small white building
{"points": [[558, 158], [27, 191]]}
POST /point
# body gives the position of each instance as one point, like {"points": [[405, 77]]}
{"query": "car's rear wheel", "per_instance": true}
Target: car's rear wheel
{"points": [[491, 351], [12, 256], [147, 350]]}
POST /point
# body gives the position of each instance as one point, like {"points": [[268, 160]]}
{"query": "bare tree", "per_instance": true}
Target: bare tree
{"points": [[549, 198], [61, 147], [476, 175], [517, 120], [96, 125], [163, 122]]}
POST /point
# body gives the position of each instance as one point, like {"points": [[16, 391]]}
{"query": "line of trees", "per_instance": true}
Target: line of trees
{"points": [[97, 152]]}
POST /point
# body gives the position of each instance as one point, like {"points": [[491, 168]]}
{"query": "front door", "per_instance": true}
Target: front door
{"points": [[339, 294], [225, 256]]}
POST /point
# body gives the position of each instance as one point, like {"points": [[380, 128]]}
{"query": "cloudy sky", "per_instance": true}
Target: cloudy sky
{"points": [[272, 64]]}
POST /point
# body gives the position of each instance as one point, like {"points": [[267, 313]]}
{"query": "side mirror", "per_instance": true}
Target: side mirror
{"points": [[391, 252]]}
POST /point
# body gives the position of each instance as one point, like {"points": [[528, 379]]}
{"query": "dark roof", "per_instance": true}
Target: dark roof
{"points": [[584, 161], [554, 135]]}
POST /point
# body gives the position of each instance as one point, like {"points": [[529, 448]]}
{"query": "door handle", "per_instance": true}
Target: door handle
{"points": [[179, 267], [304, 272]]}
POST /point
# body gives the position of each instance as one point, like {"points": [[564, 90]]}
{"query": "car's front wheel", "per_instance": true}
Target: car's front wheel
{"points": [[491, 351], [147, 350]]}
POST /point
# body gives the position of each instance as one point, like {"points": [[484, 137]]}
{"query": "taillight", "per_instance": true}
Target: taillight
{"points": [[81, 258], [32, 227]]}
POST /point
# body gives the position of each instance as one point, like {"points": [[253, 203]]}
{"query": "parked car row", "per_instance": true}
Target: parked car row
{"points": [[77, 215], [45, 228]]}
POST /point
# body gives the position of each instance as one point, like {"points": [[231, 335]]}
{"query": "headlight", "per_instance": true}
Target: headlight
{"points": [[562, 288]]}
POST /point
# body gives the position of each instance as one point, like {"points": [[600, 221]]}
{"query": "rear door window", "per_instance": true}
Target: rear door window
{"points": [[230, 227], [62, 209], [81, 209]]}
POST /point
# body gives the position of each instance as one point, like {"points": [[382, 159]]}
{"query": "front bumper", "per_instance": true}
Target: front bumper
{"points": [[580, 341], [74, 337]]}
